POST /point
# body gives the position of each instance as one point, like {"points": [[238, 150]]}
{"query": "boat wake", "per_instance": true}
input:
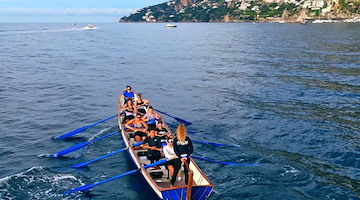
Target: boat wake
{"points": [[89, 28], [101, 132], [37, 183], [46, 30]]}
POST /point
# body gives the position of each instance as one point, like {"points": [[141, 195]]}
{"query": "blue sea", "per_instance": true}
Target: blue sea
{"points": [[286, 95]]}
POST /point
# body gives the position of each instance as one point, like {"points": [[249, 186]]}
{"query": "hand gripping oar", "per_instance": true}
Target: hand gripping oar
{"points": [[186, 123], [87, 187], [81, 145], [104, 156], [71, 133], [226, 163]]}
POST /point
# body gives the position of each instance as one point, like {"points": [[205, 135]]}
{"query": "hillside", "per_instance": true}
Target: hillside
{"points": [[245, 10]]}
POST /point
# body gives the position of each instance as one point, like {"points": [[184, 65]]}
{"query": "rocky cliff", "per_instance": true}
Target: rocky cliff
{"points": [[245, 10]]}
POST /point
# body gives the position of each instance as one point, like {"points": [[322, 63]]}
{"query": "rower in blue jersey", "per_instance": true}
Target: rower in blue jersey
{"points": [[128, 93]]}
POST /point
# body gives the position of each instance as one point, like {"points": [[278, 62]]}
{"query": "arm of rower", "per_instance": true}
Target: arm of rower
{"points": [[135, 109], [146, 101], [158, 116], [127, 125], [145, 125]]}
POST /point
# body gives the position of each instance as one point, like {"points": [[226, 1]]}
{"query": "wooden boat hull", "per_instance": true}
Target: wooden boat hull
{"points": [[202, 186]]}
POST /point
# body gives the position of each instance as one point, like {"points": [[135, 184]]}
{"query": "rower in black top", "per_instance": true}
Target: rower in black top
{"points": [[153, 144]]}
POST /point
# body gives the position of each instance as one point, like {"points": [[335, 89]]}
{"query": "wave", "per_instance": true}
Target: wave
{"points": [[37, 183]]}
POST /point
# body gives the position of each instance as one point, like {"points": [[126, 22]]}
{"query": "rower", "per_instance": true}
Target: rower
{"points": [[153, 144], [151, 117], [141, 103], [129, 109], [162, 132], [139, 126], [127, 93]]}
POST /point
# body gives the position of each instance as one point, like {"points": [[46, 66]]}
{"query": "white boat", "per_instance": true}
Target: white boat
{"points": [[170, 25]]}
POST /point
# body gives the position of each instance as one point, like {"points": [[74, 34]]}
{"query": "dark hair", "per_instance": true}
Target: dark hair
{"points": [[128, 86], [151, 129]]}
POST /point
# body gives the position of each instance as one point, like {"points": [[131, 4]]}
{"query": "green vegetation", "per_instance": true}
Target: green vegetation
{"points": [[216, 10]]}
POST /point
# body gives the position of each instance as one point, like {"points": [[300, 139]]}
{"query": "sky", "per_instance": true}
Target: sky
{"points": [[88, 11]]}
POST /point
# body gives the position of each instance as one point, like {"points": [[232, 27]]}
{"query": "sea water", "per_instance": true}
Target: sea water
{"points": [[287, 95]]}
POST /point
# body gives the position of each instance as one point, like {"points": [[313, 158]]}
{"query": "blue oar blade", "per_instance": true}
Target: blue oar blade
{"points": [[210, 143], [71, 133], [81, 145], [87, 187], [82, 188], [186, 123], [83, 164], [104, 156], [69, 150]]}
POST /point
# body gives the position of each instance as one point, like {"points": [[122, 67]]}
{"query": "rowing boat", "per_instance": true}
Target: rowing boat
{"points": [[199, 187]]}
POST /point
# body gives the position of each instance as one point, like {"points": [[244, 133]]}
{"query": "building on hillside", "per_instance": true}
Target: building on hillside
{"points": [[307, 4], [317, 4]]}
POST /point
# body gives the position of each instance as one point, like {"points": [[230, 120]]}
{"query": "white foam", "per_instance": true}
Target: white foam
{"points": [[87, 28], [21, 174], [100, 133], [290, 170], [43, 156], [62, 177], [46, 31], [37, 183]]}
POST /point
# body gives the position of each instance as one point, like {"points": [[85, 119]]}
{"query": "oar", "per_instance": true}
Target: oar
{"points": [[211, 143], [226, 163], [104, 156], [189, 131], [71, 133], [81, 145], [186, 123], [87, 187]]}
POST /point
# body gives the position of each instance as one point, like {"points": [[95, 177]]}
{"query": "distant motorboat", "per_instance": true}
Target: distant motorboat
{"points": [[170, 25], [321, 21], [90, 27]]}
